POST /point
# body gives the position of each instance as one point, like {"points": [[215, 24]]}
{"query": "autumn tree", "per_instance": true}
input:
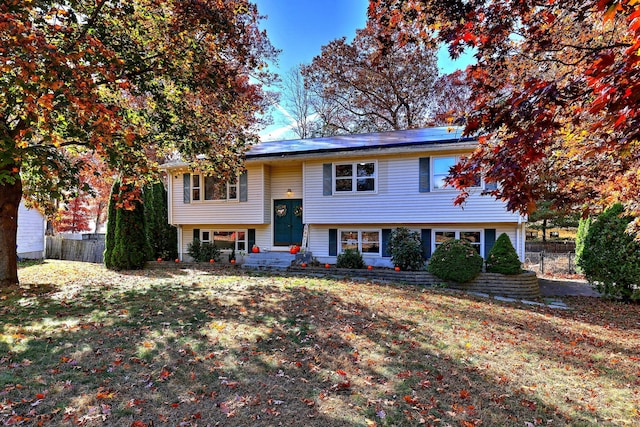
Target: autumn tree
{"points": [[556, 88], [452, 99], [73, 217], [86, 201], [364, 89], [298, 101], [115, 78]]}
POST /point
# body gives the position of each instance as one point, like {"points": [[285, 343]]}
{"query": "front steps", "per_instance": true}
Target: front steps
{"points": [[268, 260]]}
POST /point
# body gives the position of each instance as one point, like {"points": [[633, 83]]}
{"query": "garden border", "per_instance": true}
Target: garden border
{"points": [[524, 285]]}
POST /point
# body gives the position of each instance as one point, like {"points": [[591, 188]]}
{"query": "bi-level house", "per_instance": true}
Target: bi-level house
{"points": [[334, 193]]}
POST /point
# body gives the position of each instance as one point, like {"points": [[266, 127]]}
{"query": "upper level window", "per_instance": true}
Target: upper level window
{"points": [[211, 188], [441, 168], [355, 177]]}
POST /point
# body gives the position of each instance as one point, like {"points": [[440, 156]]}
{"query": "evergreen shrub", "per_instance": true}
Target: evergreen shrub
{"points": [[405, 248], [131, 248], [162, 236], [203, 252], [209, 251], [611, 257], [455, 260], [581, 235], [503, 257], [110, 237], [350, 258], [194, 249]]}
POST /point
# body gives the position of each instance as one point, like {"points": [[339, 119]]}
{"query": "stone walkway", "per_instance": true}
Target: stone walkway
{"points": [[551, 290]]}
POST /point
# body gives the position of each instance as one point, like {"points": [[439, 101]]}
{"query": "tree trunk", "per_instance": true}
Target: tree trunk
{"points": [[10, 196]]}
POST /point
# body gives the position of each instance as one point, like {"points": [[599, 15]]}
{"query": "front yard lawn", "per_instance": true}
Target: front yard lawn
{"points": [[80, 345]]}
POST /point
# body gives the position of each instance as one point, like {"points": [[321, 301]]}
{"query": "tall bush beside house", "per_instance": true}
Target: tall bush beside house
{"points": [[405, 248], [610, 258], [111, 225], [503, 257], [130, 248], [456, 261], [162, 236]]}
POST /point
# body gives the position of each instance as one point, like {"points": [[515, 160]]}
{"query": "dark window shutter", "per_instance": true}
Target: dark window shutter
{"points": [[327, 179], [251, 239], [489, 240], [244, 187], [425, 235], [196, 233], [333, 242], [425, 175], [386, 233], [186, 179]]}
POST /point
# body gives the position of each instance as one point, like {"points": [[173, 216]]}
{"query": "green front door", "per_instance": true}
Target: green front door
{"points": [[287, 214]]}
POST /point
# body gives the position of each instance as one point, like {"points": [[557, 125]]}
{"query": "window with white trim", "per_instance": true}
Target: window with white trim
{"points": [[211, 188], [367, 242], [357, 177], [472, 237], [441, 168], [226, 240]]}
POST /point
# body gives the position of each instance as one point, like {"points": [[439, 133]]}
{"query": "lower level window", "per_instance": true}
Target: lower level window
{"points": [[364, 241], [472, 237], [226, 240]]}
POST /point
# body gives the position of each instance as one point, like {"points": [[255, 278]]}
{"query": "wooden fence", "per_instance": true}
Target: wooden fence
{"points": [[74, 250], [551, 247]]}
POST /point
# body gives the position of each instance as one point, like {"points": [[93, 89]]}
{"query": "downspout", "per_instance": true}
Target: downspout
{"points": [[179, 227], [518, 231]]}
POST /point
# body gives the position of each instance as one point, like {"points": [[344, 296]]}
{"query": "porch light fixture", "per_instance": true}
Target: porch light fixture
{"points": [[289, 192]]}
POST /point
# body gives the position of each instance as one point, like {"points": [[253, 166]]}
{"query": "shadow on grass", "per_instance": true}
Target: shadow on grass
{"points": [[247, 350]]}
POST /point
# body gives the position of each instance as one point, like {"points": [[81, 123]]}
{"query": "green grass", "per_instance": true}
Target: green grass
{"points": [[80, 345]]}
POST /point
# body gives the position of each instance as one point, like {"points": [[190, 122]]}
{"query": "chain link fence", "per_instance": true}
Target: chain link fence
{"points": [[551, 263]]}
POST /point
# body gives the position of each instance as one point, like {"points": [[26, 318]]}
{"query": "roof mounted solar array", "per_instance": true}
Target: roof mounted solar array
{"points": [[427, 136]]}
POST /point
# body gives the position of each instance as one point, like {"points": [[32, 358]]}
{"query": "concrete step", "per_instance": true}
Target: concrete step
{"points": [[268, 260]]}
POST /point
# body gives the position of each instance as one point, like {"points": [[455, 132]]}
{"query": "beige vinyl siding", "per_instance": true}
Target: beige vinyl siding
{"points": [[266, 195], [319, 237], [263, 234], [397, 200], [219, 211], [284, 178]]}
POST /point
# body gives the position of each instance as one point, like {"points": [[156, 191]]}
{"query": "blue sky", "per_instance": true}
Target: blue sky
{"points": [[299, 28]]}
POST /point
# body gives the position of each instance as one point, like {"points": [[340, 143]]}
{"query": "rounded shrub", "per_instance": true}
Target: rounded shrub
{"points": [[610, 257], [405, 248], [350, 258], [456, 261], [503, 257], [194, 249], [209, 251]]}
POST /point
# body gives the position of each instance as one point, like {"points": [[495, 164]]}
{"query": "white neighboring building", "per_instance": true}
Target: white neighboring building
{"points": [[31, 229]]}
